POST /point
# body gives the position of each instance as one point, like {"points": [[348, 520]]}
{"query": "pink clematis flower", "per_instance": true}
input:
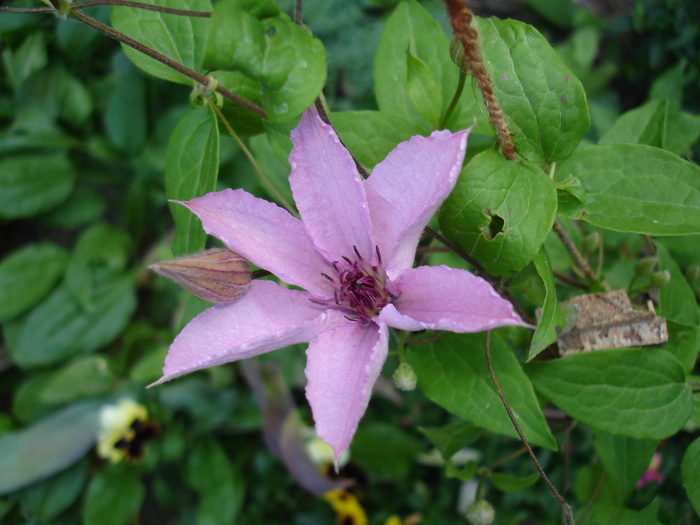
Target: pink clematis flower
{"points": [[353, 253]]}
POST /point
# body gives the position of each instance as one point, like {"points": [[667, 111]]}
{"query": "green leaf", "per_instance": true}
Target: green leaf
{"points": [[32, 184], [643, 125], [684, 345], [423, 90], [267, 46], [88, 376], [29, 58], [676, 300], [509, 483], [385, 450], [59, 327], [682, 131], [114, 496], [451, 438], [191, 169], [552, 320], [27, 275], [499, 212], [453, 373], [625, 458], [211, 474], [84, 206], [604, 513], [125, 112], [639, 393], [276, 171], [690, 470], [371, 135], [465, 473], [544, 102], [46, 500], [412, 27], [669, 85], [180, 38], [47, 447], [635, 188], [242, 121]]}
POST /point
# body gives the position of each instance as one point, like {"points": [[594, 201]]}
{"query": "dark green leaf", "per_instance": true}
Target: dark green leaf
{"points": [[87, 376], [639, 393], [48, 499], [412, 26], [545, 103], [552, 320], [114, 496], [669, 86], [192, 166], [676, 300], [267, 46], [125, 114], [84, 206], [32, 184], [371, 135], [683, 130], [690, 469], [276, 171], [464, 473], [453, 373], [180, 38], [47, 447], [500, 212], [423, 90], [385, 450], [59, 327], [605, 513], [684, 344], [643, 125], [635, 188], [27, 275], [242, 121], [451, 438], [509, 483], [624, 458], [29, 58]]}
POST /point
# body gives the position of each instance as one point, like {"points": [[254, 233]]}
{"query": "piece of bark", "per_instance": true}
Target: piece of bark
{"points": [[607, 320]]}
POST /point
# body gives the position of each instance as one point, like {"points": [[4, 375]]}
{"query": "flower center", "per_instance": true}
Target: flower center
{"points": [[360, 287]]}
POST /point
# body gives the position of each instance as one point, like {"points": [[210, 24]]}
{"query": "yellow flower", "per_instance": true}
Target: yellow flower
{"points": [[124, 429], [346, 506]]}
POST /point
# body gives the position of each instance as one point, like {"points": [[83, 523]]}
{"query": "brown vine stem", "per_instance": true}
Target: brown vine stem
{"points": [[140, 5], [573, 251], [566, 509], [461, 19], [121, 37]]}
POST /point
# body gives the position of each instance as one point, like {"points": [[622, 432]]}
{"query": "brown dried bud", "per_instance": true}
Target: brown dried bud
{"points": [[217, 275]]}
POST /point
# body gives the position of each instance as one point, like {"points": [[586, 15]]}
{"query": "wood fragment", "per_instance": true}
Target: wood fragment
{"points": [[608, 320]]}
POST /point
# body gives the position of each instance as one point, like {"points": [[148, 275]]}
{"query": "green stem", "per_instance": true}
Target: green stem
{"points": [[401, 336], [248, 154], [455, 99]]}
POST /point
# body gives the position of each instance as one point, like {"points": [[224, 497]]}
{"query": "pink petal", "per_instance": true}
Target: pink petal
{"points": [[267, 317], [406, 189], [265, 234], [328, 191], [442, 298], [342, 366]]}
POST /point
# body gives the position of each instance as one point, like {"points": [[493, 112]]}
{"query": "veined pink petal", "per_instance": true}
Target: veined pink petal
{"points": [[342, 366], [406, 189], [265, 234], [328, 191], [267, 317], [444, 298]]}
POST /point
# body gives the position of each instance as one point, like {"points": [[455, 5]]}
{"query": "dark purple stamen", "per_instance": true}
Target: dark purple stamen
{"points": [[359, 257], [379, 255], [328, 277]]}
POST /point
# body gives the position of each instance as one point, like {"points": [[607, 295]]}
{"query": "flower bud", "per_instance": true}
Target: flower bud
{"points": [[405, 378], [645, 266], [591, 242], [457, 54], [693, 272], [217, 275], [481, 512], [660, 279]]}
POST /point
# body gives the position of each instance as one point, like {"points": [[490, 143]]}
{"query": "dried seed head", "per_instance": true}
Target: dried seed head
{"points": [[217, 275]]}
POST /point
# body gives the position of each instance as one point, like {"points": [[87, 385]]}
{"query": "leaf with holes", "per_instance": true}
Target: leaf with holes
{"points": [[500, 212]]}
